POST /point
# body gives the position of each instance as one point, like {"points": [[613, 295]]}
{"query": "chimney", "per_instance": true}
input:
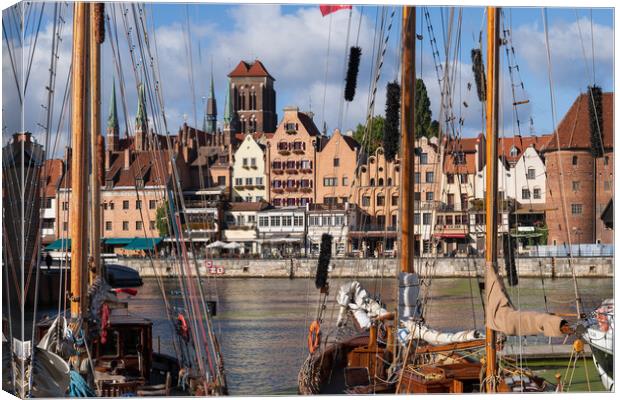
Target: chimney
{"points": [[127, 160], [108, 159]]}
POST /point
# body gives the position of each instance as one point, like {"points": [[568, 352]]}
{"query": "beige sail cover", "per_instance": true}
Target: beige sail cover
{"points": [[502, 316]]}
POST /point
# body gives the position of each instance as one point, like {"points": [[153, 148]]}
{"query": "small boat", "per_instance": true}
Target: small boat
{"points": [[600, 337]]}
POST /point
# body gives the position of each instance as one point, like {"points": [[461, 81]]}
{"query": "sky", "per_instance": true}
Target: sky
{"points": [[306, 54]]}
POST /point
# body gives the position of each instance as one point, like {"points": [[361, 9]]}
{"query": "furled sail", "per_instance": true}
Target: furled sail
{"points": [[417, 330], [502, 316], [352, 296]]}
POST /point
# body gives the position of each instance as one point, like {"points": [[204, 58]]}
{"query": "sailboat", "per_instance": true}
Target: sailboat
{"points": [[400, 353], [100, 349]]}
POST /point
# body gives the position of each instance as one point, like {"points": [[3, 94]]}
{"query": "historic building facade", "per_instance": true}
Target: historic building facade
{"points": [[292, 159], [336, 164], [248, 178], [579, 186], [253, 98]]}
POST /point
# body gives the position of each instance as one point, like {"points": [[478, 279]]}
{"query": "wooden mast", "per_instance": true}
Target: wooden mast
{"points": [[407, 145], [492, 101], [96, 140], [79, 167]]}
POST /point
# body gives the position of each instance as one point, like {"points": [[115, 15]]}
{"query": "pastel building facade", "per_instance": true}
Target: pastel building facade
{"points": [[249, 179]]}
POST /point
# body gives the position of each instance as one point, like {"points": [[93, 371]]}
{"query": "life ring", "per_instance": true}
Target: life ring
{"points": [[183, 329], [314, 336]]}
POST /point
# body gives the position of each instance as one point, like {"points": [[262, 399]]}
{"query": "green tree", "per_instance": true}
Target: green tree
{"points": [[161, 219], [424, 123], [375, 136]]}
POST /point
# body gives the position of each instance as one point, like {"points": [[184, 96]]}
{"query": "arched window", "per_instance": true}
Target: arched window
{"points": [[574, 160], [389, 181], [372, 181], [380, 181]]}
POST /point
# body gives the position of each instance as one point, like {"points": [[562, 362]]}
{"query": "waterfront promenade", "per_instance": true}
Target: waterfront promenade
{"points": [[560, 267]]}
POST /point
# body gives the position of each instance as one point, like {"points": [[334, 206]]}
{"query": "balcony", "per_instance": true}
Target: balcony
{"points": [[278, 190], [457, 230], [277, 171], [201, 203], [200, 226], [284, 152], [291, 171], [306, 190], [240, 227], [292, 189]]}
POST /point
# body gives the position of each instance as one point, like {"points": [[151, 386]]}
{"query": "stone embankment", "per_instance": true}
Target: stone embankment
{"points": [[594, 267]]}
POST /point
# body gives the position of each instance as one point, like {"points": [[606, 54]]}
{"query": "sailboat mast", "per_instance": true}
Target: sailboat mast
{"points": [[79, 167], [492, 101], [95, 39], [407, 145]]}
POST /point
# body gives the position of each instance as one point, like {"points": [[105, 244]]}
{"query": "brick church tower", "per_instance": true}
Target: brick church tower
{"points": [[253, 98]]}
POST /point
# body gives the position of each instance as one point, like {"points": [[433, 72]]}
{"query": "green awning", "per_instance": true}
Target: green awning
{"points": [[117, 241], [59, 244], [143, 244]]}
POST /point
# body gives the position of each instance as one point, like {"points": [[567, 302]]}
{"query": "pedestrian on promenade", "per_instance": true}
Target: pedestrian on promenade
{"points": [[48, 261]]}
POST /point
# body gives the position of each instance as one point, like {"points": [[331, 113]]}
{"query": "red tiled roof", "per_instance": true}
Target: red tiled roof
{"points": [[248, 206], [250, 69], [467, 145], [574, 129], [54, 170], [449, 165], [521, 143]]}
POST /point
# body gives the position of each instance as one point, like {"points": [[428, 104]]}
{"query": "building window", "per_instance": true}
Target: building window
{"points": [[464, 201], [576, 186], [221, 181], [574, 160], [531, 173], [426, 218], [108, 225], [537, 193], [429, 196], [138, 204], [125, 225], [459, 158], [463, 178], [298, 220], [416, 196], [275, 221], [65, 205], [64, 226], [372, 181], [48, 203], [336, 162], [380, 200], [525, 193], [366, 201], [576, 209], [138, 225], [394, 200], [238, 181], [152, 225], [287, 220], [248, 199], [248, 181], [380, 182], [345, 181], [330, 181], [152, 204], [389, 182], [416, 219], [394, 220], [253, 161], [125, 204], [514, 151], [423, 159], [606, 160], [416, 177], [440, 220], [263, 221], [111, 206], [430, 177], [259, 181]]}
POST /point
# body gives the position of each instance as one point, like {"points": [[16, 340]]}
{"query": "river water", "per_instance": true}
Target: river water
{"points": [[262, 323]]}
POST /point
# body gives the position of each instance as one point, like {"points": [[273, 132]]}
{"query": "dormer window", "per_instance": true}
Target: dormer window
{"points": [[140, 182], [514, 151], [459, 158], [109, 184]]}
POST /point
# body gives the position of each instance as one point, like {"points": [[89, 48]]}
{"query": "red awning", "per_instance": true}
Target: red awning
{"points": [[451, 235]]}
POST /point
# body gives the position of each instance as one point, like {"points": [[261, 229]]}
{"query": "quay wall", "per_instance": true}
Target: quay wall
{"points": [[594, 267]]}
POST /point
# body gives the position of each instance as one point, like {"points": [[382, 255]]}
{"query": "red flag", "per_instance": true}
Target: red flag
{"points": [[328, 9]]}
